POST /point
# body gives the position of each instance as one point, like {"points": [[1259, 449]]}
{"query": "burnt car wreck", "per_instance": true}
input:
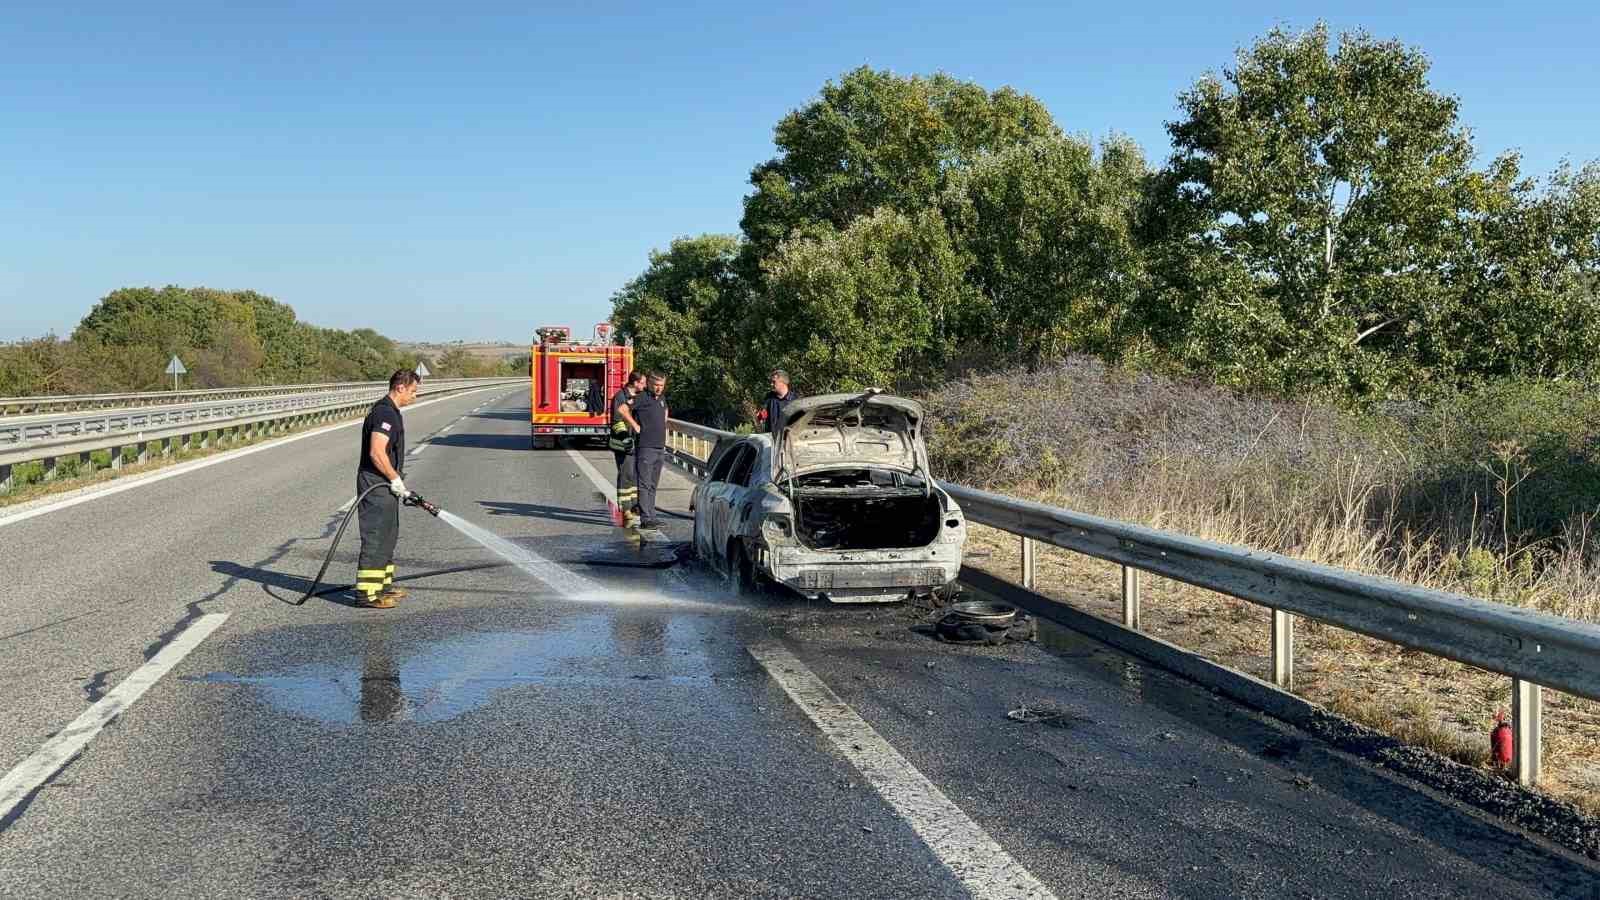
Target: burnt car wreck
{"points": [[839, 505]]}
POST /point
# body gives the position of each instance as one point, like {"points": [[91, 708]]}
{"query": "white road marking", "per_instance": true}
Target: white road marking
{"points": [[133, 481], [607, 488], [70, 741], [420, 447], [983, 866]]}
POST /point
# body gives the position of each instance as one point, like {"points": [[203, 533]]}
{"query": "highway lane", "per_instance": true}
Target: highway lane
{"points": [[591, 722], [87, 591]]}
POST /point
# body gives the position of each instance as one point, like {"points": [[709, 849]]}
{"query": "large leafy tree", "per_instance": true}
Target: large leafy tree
{"points": [[875, 139], [1316, 217], [857, 308], [1049, 230], [683, 313]]}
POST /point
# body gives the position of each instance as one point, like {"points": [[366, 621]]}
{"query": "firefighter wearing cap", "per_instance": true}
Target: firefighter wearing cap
{"points": [[624, 434], [382, 459]]}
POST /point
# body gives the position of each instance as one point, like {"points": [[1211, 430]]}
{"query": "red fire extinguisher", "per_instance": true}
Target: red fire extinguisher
{"points": [[1500, 740]]}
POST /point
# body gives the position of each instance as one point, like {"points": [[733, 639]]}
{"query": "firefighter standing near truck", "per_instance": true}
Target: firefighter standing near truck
{"points": [[624, 431], [650, 450], [383, 457]]}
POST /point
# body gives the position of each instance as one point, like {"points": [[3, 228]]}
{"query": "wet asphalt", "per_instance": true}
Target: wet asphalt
{"points": [[590, 723]]}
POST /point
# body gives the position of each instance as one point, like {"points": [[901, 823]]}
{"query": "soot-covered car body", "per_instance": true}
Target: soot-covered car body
{"points": [[839, 505]]}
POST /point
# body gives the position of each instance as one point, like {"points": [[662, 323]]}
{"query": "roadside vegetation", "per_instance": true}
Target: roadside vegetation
{"points": [[225, 339], [1323, 326], [1493, 493]]}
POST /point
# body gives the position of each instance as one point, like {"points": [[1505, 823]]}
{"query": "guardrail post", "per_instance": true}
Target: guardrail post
{"points": [[1130, 598], [5, 478], [1029, 562], [1283, 649], [116, 459], [1527, 713], [169, 446], [49, 465], [143, 455]]}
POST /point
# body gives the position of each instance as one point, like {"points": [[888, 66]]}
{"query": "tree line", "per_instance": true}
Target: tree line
{"points": [[1321, 229], [224, 338]]}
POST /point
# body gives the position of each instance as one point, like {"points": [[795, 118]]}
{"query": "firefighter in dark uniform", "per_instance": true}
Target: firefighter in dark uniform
{"points": [[650, 449], [383, 457], [624, 428]]}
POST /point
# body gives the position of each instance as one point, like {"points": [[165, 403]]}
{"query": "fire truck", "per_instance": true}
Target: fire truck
{"points": [[571, 383]]}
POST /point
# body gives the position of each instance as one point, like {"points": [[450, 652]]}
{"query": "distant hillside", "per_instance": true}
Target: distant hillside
{"points": [[478, 350], [222, 337]]}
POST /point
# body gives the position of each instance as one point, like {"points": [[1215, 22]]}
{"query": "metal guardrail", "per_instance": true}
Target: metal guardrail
{"points": [[12, 406], [1534, 649], [250, 419], [17, 431]]}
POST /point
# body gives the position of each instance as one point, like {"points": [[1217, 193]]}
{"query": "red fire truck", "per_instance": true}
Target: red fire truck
{"points": [[572, 382]]}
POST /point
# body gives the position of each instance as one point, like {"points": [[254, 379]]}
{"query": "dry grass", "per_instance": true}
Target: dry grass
{"points": [[1495, 495]]}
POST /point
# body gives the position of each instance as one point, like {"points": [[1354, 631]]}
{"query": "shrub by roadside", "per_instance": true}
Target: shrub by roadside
{"points": [[1492, 494]]}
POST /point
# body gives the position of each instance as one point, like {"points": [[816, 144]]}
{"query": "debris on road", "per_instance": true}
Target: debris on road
{"points": [[983, 622], [1046, 714]]}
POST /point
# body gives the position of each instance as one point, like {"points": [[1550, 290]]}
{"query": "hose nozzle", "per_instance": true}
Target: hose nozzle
{"points": [[415, 499]]}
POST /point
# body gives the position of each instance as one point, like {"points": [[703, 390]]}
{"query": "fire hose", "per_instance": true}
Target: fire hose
{"points": [[410, 499]]}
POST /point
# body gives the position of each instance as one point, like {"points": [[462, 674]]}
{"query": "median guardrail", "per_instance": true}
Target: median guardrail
{"points": [[16, 406], [1534, 649], [165, 433]]}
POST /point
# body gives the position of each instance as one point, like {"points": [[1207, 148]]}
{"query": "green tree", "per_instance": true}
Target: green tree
{"points": [[876, 139], [684, 314], [1050, 233], [1315, 218], [857, 308], [35, 367]]}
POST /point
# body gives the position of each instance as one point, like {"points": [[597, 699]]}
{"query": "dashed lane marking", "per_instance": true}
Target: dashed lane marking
{"points": [[982, 865], [22, 781]]}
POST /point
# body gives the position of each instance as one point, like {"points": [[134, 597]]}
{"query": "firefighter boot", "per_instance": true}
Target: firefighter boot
{"points": [[390, 592]]}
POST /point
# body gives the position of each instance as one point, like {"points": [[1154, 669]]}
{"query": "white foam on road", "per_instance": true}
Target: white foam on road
{"points": [[982, 865], [34, 771], [128, 483]]}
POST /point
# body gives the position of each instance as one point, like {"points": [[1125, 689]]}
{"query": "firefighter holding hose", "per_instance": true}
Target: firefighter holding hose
{"points": [[382, 459], [624, 433]]}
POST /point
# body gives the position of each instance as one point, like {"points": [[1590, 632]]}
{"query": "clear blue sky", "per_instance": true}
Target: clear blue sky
{"points": [[471, 171]]}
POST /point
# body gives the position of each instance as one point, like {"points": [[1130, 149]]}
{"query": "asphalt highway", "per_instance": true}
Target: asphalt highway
{"points": [[588, 715]]}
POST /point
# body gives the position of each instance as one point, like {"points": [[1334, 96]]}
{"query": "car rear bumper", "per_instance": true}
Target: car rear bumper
{"points": [[864, 576]]}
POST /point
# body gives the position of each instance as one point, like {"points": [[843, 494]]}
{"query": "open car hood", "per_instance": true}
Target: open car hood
{"points": [[862, 429]]}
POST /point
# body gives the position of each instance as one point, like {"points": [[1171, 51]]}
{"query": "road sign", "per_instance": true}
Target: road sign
{"points": [[422, 369], [175, 368]]}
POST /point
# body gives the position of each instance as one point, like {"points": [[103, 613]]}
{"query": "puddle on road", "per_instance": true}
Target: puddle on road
{"points": [[389, 678]]}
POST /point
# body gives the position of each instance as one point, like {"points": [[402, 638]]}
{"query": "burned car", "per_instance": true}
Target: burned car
{"points": [[839, 505]]}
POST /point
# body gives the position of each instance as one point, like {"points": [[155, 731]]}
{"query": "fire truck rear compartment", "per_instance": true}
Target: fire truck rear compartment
{"points": [[583, 387], [863, 509]]}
